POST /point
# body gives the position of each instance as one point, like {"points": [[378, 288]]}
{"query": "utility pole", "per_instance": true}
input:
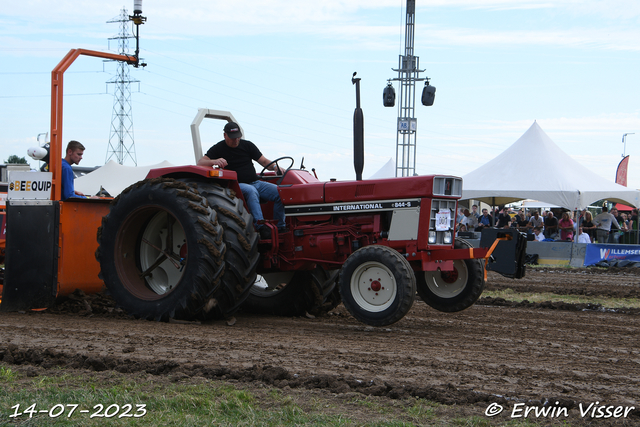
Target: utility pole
{"points": [[408, 74], [121, 141]]}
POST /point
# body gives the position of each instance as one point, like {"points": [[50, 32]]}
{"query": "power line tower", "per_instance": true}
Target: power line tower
{"points": [[121, 141], [408, 74]]}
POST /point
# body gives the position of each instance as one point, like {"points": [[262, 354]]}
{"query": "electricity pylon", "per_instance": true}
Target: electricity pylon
{"points": [[121, 141]]}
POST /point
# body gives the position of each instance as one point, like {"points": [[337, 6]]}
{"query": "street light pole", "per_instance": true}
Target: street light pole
{"points": [[624, 141]]}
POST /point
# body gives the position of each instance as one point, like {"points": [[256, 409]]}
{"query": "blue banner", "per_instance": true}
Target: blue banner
{"points": [[596, 253]]}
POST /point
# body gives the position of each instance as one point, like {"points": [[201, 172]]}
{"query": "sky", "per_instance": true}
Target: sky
{"points": [[284, 69]]}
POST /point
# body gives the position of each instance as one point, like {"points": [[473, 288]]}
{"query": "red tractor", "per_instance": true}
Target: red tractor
{"points": [[181, 244]]}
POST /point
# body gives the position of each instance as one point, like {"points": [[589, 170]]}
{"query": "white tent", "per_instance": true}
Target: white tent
{"points": [[388, 170], [534, 167], [529, 203], [113, 177]]}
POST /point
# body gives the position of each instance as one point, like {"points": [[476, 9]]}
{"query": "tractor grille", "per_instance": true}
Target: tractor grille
{"points": [[437, 206]]}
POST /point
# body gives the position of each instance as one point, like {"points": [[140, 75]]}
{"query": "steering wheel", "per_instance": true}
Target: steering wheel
{"points": [[278, 168]]}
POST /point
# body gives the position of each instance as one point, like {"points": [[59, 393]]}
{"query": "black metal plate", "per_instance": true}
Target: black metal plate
{"points": [[31, 263]]}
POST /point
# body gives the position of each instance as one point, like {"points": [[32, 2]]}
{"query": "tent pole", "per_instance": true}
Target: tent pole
{"points": [[493, 211], [575, 234]]}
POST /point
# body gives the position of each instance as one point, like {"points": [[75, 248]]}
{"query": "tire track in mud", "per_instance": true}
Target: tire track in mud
{"points": [[483, 354], [612, 283], [525, 354]]}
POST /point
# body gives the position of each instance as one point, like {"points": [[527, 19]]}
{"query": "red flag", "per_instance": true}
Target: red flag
{"points": [[621, 173]]}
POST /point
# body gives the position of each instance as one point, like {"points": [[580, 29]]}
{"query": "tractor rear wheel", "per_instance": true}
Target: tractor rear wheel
{"points": [[241, 256], [377, 285], [452, 291], [161, 250], [293, 293]]}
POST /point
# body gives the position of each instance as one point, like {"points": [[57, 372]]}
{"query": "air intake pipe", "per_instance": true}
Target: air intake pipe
{"points": [[358, 132]]}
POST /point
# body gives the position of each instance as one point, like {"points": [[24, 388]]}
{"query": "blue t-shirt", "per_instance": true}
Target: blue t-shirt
{"points": [[67, 181]]}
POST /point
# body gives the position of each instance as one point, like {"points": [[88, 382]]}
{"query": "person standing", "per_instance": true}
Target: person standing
{"points": [[588, 226], [566, 227], [550, 225], [74, 154], [485, 221], [535, 221], [521, 222], [616, 232], [474, 211], [633, 219], [603, 222], [469, 220], [504, 219]]}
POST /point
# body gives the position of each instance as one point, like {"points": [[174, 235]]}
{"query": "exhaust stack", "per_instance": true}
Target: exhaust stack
{"points": [[358, 132]]}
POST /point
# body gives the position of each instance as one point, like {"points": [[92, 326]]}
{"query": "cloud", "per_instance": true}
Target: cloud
{"points": [[244, 14], [586, 38], [589, 124], [43, 48], [332, 19]]}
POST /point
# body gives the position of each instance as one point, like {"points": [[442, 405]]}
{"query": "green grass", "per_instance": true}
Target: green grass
{"points": [[423, 410], [200, 402], [472, 422], [511, 295], [166, 404], [6, 374]]}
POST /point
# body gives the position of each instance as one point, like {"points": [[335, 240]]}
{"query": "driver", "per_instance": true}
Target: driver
{"points": [[237, 154]]}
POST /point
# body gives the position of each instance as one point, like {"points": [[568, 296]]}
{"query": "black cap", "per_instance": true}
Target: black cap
{"points": [[233, 130]]}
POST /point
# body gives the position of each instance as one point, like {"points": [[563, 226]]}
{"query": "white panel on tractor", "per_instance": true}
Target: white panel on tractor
{"points": [[404, 224]]}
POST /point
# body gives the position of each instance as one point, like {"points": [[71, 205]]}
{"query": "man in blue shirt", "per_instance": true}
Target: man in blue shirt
{"points": [[75, 150], [485, 220]]}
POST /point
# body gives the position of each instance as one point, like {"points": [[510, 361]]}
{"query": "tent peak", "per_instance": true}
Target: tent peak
{"points": [[535, 167]]}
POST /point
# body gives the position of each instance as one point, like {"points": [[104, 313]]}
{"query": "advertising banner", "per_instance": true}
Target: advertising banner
{"points": [[621, 173], [596, 253], [29, 185]]}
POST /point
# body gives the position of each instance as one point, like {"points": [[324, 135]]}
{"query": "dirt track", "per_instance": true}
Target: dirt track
{"points": [[485, 354]]}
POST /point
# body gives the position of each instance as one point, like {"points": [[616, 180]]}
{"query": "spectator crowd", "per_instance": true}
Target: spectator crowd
{"points": [[606, 227]]}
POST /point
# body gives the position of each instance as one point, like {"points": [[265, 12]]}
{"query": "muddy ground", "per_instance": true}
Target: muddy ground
{"points": [[496, 352]]}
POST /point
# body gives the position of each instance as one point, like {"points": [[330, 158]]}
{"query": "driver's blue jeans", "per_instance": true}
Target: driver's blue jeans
{"points": [[261, 190]]}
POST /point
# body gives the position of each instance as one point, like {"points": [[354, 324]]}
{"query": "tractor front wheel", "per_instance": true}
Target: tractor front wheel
{"points": [[452, 291], [377, 285]]}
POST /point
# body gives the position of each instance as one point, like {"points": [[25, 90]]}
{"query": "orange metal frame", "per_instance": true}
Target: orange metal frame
{"points": [[55, 147], [79, 218]]}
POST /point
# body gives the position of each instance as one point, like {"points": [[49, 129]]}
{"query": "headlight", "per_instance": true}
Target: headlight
{"points": [[432, 237], [447, 237]]}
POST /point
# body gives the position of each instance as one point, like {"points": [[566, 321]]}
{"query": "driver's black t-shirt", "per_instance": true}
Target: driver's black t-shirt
{"points": [[238, 159]]}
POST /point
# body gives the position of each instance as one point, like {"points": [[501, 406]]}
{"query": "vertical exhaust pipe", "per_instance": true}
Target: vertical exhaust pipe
{"points": [[358, 132]]}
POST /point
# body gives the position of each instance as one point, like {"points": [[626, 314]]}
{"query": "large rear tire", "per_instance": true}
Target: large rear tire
{"points": [[161, 250], [377, 285], [452, 291], [241, 256], [293, 293]]}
